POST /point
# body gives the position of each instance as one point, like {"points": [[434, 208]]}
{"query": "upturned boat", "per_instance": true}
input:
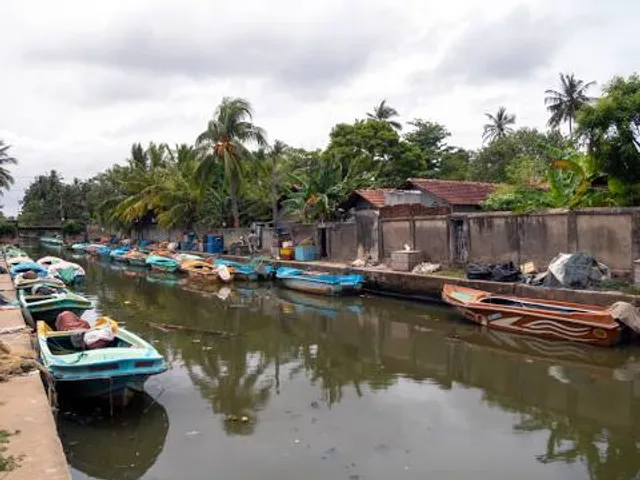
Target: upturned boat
{"points": [[98, 250], [543, 318], [241, 271], [136, 258], [46, 302], [320, 283], [114, 370], [162, 264], [68, 272], [199, 269]]}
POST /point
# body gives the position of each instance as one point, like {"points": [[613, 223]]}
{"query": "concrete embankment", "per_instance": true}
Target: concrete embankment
{"points": [[429, 287], [25, 408]]}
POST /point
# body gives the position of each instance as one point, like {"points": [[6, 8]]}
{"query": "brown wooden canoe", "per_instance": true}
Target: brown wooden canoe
{"points": [[547, 319]]}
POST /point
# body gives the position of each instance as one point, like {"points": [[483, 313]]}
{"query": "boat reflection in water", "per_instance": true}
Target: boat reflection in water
{"points": [[124, 446]]}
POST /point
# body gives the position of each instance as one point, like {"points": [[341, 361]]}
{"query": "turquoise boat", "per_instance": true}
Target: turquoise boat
{"points": [[114, 371], [241, 271], [47, 306], [162, 264], [79, 247], [319, 283], [57, 240]]}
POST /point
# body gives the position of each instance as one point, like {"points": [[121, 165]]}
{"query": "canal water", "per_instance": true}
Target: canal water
{"points": [[348, 388]]}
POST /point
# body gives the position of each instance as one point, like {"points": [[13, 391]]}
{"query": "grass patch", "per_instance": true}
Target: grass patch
{"points": [[451, 273], [8, 463], [618, 285]]}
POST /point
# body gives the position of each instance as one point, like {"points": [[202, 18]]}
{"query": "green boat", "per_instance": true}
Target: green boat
{"points": [[46, 303], [162, 264]]}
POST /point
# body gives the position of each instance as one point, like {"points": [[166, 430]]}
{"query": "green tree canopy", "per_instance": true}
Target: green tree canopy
{"points": [[499, 125], [564, 104]]}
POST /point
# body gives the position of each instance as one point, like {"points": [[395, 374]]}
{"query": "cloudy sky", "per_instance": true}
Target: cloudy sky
{"points": [[81, 80]]}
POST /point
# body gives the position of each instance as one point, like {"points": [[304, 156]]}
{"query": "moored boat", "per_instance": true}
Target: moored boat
{"points": [[162, 264], [27, 266], [115, 369], [48, 261], [45, 302], [320, 283], [119, 254], [241, 271], [12, 261], [543, 318], [79, 247], [68, 272], [56, 240], [136, 258], [199, 269]]}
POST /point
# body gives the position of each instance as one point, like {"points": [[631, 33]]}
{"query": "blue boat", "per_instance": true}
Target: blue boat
{"points": [[319, 283], [241, 271], [119, 254], [115, 370], [29, 267]]}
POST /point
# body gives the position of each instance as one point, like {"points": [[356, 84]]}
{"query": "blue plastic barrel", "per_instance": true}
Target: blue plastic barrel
{"points": [[214, 244]]}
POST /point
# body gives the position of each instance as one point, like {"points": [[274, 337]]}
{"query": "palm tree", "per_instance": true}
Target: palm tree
{"points": [[276, 152], [385, 113], [226, 135], [6, 180], [565, 103], [498, 125]]}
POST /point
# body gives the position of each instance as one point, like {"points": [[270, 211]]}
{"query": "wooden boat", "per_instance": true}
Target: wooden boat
{"points": [[183, 257], [68, 272], [47, 306], [162, 264], [241, 271], [79, 247], [57, 240], [136, 258], [118, 369], [547, 319], [98, 249], [321, 283], [199, 269]]}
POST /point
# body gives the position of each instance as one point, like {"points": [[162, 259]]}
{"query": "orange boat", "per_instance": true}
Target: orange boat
{"points": [[548, 319]]}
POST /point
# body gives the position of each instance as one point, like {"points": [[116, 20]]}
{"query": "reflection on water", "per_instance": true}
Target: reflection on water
{"points": [[312, 387]]}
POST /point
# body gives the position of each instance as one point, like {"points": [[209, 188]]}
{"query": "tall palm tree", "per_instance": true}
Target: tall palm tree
{"points": [[226, 134], [499, 125], [276, 152], [6, 180], [385, 113], [563, 104]]}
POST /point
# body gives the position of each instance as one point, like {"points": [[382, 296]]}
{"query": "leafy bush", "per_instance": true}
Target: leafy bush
{"points": [[73, 227], [8, 228]]}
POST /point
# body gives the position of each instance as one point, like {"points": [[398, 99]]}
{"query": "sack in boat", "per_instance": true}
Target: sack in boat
{"points": [[506, 272], [66, 321], [99, 337]]}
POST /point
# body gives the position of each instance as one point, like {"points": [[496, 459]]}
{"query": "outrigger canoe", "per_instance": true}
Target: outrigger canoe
{"points": [[547, 319], [162, 264], [321, 283], [117, 369]]}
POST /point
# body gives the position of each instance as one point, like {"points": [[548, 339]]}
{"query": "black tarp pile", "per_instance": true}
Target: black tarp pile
{"points": [[504, 272], [579, 270]]}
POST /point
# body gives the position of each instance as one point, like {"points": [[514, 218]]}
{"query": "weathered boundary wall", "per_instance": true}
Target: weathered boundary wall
{"points": [[612, 235]]}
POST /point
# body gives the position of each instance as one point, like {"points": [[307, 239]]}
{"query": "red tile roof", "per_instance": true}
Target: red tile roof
{"points": [[456, 192], [375, 196]]}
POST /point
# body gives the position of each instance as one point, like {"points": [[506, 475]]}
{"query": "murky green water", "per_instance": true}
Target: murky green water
{"points": [[353, 388]]}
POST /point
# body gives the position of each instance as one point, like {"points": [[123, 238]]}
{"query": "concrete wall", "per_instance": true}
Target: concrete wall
{"points": [[367, 234], [611, 235], [432, 237], [342, 243]]}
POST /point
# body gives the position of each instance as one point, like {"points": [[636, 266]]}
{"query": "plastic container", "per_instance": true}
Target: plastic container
{"points": [[215, 246], [286, 253], [306, 253]]}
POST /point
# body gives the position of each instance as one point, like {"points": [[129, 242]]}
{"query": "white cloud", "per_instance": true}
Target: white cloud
{"points": [[82, 80]]}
